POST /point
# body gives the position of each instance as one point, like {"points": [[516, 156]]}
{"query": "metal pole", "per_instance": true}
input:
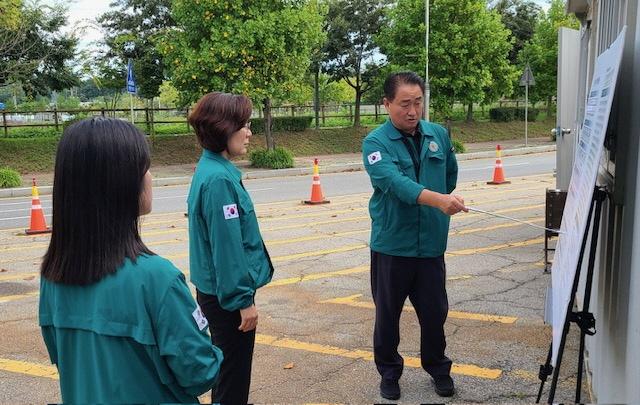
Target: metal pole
{"points": [[526, 110], [131, 98], [427, 90]]}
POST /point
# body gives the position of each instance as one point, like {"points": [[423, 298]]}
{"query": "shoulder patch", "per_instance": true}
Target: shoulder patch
{"points": [[374, 157], [230, 211], [199, 317]]}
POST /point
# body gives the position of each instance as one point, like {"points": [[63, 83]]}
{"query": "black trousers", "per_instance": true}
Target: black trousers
{"points": [[393, 279], [234, 379]]}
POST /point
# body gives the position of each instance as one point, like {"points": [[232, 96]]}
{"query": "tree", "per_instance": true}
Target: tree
{"points": [[259, 48], [542, 52], [132, 30], [468, 48], [352, 55], [35, 53], [10, 13], [520, 17]]}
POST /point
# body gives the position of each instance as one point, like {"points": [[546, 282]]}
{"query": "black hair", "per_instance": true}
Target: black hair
{"points": [[217, 116], [394, 81], [98, 182]]}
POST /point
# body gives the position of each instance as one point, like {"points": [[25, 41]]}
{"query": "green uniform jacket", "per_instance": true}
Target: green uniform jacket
{"points": [[227, 257], [401, 227], [136, 336]]}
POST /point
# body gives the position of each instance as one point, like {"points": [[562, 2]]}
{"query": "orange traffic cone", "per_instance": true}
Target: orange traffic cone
{"points": [[316, 189], [38, 223], [498, 172]]}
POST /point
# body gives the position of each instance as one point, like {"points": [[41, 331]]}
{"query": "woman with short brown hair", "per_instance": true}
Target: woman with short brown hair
{"points": [[227, 258]]}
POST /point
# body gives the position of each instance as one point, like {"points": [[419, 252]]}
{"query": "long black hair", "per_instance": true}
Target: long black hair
{"points": [[98, 181]]}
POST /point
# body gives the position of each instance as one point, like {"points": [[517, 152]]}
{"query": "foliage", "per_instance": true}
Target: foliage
{"points": [[520, 17], [351, 53], [506, 114], [293, 124], [132, 30], [33, 132], [502, 114], [9, 178], [168, 94], [34, 52], [468, 48], [10, 13], [279, 158], [542, 51], [259, 48], [458, 146]]}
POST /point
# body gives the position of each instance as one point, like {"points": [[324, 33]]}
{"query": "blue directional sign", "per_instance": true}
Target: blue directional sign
{"points": [[2, 106], [131, 78]]}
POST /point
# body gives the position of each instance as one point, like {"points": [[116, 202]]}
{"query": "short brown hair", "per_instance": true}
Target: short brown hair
{"points": [[217, 116]]}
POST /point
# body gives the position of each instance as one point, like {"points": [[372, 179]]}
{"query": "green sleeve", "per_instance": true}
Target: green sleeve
{"points": [[49, 336], [234, 286], [452, 167], [386, 175], [185, 345]]}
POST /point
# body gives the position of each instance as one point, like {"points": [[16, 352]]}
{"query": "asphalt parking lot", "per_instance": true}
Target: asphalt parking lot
{"points": [[314, 342]]}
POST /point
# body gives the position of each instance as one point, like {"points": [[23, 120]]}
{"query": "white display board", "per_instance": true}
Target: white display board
{"points": [[581, 187]]}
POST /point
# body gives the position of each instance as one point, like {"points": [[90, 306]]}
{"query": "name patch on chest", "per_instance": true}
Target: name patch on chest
{"points": [[230, 211], [374, 157]]}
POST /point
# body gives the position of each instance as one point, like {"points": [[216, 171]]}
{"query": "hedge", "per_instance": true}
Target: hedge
{"points": [[507, 114], [290, 124]]}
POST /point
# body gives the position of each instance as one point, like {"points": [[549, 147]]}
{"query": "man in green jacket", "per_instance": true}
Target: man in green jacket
{"points": [[413, 170]]}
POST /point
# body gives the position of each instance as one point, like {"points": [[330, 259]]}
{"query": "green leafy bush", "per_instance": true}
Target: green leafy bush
{"points": [[280, 158], [291, 124], [507, 114], [502, 114], [76, 118], [33, 132], [458, 146], [532, 114], [9, 178]]}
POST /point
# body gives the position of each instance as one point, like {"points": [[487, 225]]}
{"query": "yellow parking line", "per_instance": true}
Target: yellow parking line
{"points": [[351, 301], [310, 224], [285, 343], [314, 237], [485, 249], [10, 277], [319, 252], [32, 369], [294, 256], [8, 298]]}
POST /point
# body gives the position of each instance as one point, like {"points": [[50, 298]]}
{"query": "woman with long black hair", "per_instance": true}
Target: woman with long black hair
{"points": [[118, 321]]}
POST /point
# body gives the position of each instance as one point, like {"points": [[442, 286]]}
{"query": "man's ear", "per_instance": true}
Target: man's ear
{"points": [[386, 103]]}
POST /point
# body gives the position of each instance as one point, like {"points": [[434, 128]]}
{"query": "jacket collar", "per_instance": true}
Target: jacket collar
{"points": [[226, 163], [394, 134]]}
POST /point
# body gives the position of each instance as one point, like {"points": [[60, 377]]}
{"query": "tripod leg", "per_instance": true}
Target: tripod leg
{"points": [[545, 371]]}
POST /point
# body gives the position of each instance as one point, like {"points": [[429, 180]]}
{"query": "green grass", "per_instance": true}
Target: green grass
{"points": [[37, 154]]}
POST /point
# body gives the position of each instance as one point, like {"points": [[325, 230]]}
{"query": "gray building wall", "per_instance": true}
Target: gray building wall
{"points": [[613, 354]]}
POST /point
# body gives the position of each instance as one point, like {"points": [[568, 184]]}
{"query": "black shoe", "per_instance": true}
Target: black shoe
{"points": [[444, 385], [389, 389]]}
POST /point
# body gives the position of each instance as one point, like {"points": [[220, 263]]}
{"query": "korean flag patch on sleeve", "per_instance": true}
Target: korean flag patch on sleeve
{"points": [[199, 317], [374, 157], [230, 211]]}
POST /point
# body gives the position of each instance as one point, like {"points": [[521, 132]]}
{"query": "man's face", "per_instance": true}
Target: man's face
{"points": [[406, 108]]}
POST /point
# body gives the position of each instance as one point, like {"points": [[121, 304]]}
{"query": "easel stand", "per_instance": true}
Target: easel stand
{"points": [[584, 319]]}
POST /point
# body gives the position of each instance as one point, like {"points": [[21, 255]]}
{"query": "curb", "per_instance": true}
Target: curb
{"points": [[296, 171]]}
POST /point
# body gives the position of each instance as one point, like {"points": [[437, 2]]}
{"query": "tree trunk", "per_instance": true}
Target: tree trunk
{"points": [[470, 113], [447, 125], [316, 96], [267, 124], [356, 117], [549, 106]]}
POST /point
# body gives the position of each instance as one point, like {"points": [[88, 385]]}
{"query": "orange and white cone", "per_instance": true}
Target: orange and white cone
{"points": [[317, 197], [498, 171], [38, 223]]}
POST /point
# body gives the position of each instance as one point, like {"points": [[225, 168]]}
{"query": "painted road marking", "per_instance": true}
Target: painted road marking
{"points": [[8, 298], [351, 301], [32, 369], [285, 343]]}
